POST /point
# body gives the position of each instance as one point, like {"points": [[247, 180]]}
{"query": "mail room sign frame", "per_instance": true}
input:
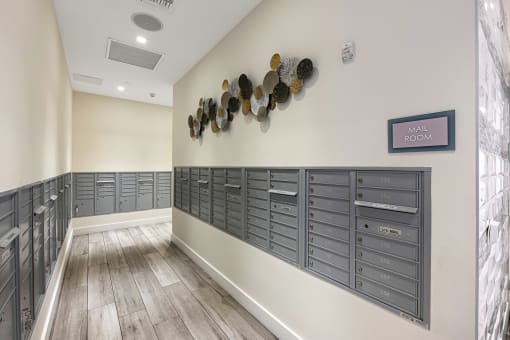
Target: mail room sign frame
{"points": [[428, 132]]}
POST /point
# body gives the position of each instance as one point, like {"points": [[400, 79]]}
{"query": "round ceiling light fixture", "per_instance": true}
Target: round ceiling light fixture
{"points": [[147, 22]]}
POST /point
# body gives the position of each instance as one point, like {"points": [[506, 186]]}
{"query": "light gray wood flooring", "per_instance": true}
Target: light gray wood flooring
{"points": [[135, 284]]}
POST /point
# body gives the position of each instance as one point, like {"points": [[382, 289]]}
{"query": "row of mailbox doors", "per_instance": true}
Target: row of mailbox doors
{"points": [[33, 224], [364, 230], [107, 193]]}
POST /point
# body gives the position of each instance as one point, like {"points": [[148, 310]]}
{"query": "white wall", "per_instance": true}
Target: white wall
{"points": [[35, 95], [413, 57], [111, 134]]}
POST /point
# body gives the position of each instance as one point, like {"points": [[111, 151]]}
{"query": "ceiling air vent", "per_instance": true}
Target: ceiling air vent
{"points": [[166, 4], [135, 56], [82, 78]]}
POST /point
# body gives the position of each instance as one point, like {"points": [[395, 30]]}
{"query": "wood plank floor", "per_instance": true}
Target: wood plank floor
{"points": [[135, 284]]}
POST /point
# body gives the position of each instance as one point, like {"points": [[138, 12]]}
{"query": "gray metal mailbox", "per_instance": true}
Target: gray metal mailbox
{"points": [[105, 193], [218, 197], [84, 194], [163, 190]]}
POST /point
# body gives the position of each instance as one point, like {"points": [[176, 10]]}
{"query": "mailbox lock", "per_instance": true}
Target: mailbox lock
{"points": [[360, 195], [311, 202], [311, 251], [312, 178], [311, 190], [311, 239], [360, 284], [272, 216], [311, 214], [360, 239], [311, 226], [360, 269], [360, 254], [360, 180], [311, 263], [366, 225]]}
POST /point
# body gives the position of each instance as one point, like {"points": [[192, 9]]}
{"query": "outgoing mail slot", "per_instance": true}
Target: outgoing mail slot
{"points": [[288, 220], [329, 177], [291, 232], [329, 204], [395, 197], [284, 175], [284, 208], [393, 280], [388, 180], [341, 220], [338, 261], [387, 215], [388, 229], [388, 295], [394, 264], [334, 232], [328, 271], [404, 250], [341, 193], [284, 186], [329, 244]]}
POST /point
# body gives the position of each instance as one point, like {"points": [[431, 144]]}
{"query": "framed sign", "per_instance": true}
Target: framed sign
{"points": [[428, 132]]}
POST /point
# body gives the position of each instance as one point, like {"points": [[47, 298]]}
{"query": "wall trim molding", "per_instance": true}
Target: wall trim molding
{"points": [[96, 228], [275, 325], [46, 316]]}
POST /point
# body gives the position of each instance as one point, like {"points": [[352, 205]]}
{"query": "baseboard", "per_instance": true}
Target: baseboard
{"points": [[275, 325], [44, 322], [96, 228]]}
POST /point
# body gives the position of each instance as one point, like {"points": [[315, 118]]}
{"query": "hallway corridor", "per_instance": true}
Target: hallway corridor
{"points": [[134, 284]]}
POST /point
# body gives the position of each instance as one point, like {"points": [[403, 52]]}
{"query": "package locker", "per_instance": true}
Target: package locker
{"points": [[105, 193], [38, 244], [60, 212], [194, 189], [46, 233], [83, 194], [328, 227], [218, 197], [284, 214], [53, 222], [388, 232], [145, 191], [257, 207], [204, 194], [127, 191], [163, 190], [234, 202], [9, 234], [26, 262], [182, 192]]}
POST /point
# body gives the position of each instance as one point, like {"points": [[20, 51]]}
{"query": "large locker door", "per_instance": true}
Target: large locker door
{"points": [[145, 196], [105, 193], [164, 189], [234, 202], [69, 201], [8, 259], [26, 263], [38, 245], [60, 213], [204, 194], [177, 188], [127, 188], [53, 222], [46, 233], [194, 196], [83, 195]]}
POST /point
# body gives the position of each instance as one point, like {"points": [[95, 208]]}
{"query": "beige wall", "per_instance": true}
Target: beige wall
{"points": [[35, 95], [112, 134], [413, 57]]}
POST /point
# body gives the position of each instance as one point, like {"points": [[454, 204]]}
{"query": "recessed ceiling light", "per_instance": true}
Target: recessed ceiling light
{"points": [[141, 40], [121, 88]]}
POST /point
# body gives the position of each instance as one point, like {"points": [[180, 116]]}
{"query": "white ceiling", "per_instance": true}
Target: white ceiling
{"points": [[191, 29]]}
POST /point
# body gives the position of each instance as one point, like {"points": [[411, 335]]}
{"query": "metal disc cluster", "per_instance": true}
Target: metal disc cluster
{"points": [[286, 77]]}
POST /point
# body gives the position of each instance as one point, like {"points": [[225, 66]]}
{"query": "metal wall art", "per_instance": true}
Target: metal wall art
{"points": [[286, 77]]}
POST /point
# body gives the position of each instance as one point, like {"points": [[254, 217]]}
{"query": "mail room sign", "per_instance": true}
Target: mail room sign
{"points": [[429, 132]]}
